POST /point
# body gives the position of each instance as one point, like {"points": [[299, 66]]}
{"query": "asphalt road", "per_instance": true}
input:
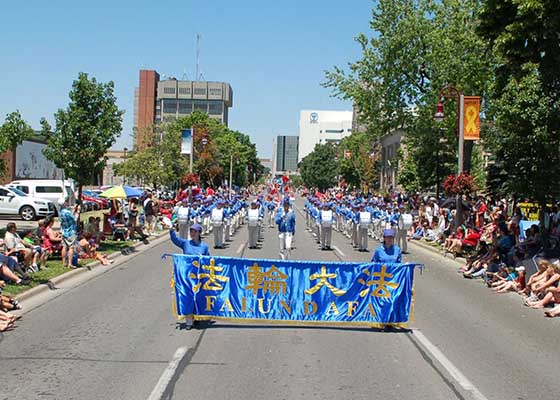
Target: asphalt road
{"points": [[113, 336]]}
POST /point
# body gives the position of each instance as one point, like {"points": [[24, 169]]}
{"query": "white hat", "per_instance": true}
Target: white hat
{"points": [[519, 269]]}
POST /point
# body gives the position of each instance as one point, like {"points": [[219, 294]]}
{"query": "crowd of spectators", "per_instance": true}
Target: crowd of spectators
{"points": [[500, 246], [25, 252]]}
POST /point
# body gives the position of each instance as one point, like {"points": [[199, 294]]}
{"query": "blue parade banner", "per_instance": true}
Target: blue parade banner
{"points": [[292, 292]]}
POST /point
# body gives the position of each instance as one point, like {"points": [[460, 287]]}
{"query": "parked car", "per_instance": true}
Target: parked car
{"points": [[52, 190], [16, 202]]}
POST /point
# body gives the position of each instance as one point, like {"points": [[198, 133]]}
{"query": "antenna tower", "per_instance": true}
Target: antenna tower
{"points": [[197, 76]]}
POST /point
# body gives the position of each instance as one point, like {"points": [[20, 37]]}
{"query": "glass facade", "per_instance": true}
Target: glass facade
{"points": [[287, 148]]}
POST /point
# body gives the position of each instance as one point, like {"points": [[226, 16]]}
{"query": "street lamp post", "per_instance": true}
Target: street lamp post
{"points": [[451, 91], [124, 156]]}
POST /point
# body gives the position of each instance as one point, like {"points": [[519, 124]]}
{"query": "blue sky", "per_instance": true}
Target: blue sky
{"points": [[273, 53]]}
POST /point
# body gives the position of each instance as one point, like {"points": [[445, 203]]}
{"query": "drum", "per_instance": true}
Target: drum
{"points": [[405, 221]]}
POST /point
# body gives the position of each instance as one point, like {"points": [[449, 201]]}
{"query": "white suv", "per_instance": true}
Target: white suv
{"points": [[15, 202]]}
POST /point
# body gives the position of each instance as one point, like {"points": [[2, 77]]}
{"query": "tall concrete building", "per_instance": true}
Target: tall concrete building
{"points": [[285, 155], [160, 100], [320, 127]]}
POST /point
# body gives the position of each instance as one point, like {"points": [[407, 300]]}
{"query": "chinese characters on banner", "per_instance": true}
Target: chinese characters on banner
{"points": [[303, 292]]}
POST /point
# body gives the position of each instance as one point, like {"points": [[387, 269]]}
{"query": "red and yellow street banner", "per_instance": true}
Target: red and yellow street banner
{"points": [[471, 121]]}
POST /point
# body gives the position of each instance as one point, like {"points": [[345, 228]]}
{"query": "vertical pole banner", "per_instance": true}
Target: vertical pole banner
{"points": [[186, 141], [471, 118]]}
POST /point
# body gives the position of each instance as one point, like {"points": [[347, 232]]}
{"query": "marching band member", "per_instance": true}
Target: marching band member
{"points": [[194, 246], [365, 221], [403, 225], [388, 252], [218, 217], [286, 221], [183, 218], [355, 222], [253, 221], [325, 221]]}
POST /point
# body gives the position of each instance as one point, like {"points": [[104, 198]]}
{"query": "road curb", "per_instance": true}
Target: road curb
{"points": [[57, 280], [459, 261]]}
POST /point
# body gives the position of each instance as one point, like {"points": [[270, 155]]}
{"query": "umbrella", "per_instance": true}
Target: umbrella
{"points": [[121, 192]]}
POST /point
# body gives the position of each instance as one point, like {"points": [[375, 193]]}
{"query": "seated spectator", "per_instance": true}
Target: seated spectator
{"points": [[20, 249], [118, 225], [52, 240], [8, 269], [542, 267], [470, 240], [450, 240], [547, 290], [517, 285], [30, 238], [87, 248]]}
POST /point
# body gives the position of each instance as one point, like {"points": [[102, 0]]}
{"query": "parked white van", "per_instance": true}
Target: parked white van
{"points": [[15, 202], [52, 190]]}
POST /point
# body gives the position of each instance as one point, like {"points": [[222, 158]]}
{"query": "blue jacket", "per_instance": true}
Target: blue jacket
{"points": [[188, 246], [286, 222], [387, 255]]}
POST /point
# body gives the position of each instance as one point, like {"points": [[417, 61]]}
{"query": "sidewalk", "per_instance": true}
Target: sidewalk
{"points": [[52, 283]]}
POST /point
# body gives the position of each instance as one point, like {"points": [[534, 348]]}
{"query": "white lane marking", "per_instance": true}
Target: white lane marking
{"points": [[168, 374], [338, 251], [240, 249], [448, 365]]}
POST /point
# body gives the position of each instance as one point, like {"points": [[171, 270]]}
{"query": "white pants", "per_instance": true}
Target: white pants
{"points": [[218, 235], [285, 241], [401, 240], [326, 236], [253, 235], [363, 237]]}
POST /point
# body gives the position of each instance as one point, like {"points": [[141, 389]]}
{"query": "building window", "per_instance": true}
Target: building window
{"points": [[334, 130], [215, 108], [169, 90], [185, 106], [201, 106], [199, 91], [169, 106], [184, 90]]}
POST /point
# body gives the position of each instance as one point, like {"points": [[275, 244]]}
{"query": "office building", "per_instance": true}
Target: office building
{"points": [[321, 127], [160, 100], [285, 155]]}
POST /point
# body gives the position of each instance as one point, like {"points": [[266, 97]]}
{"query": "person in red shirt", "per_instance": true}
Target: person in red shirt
{"points": [[471, 240]]}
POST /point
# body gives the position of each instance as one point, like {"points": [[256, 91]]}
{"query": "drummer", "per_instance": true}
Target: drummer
{"points": [[388, 252]]}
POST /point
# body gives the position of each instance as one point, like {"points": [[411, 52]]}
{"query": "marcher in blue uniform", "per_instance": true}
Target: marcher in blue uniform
{"points": [[194, 246], [388, 252]]}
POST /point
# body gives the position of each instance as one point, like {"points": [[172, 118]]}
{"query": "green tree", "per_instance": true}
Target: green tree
{"points": [[161, 161], [416, 48], [319, 169], [13, 132], [358, 160], [84, 131], [525, 96]]}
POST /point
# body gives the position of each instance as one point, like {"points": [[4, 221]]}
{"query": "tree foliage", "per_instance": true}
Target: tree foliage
{"points": [[161, 162], [84, 131], [13, 132], [319, 169], [525, 98], [416, 48], [358, 156]]}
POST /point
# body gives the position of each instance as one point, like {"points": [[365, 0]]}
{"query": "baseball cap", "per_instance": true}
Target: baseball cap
{"points": [[519, 269], [388, 233], [196, 227]]}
